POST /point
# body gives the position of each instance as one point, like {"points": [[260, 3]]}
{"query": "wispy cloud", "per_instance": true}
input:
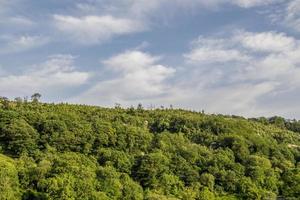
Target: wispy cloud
{"points": [[240, 72], [14, 44], [233, 74], [126, 17], [95, 29], [267, 41], [213, 50], [137, 76], [292, 15], [254, 3], [286, 14], [16, 21], [56, 74], [271, 70]]}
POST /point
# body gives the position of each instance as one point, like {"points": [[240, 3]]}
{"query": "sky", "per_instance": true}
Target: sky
{"points": [[235, 57]]}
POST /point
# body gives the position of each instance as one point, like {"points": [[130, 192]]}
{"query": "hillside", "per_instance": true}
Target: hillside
{"points": [[65, 151]]}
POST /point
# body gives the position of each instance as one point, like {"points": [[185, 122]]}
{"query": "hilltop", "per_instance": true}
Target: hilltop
{"points": [[61, 151]]}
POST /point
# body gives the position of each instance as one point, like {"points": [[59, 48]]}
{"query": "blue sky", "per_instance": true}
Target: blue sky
{"points": [[224, 56]]}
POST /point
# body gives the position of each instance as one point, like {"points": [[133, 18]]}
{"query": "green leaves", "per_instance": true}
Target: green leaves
{"points": [[291, 186], [84, 152], [9, 183], [150, 168], [18, 136]]}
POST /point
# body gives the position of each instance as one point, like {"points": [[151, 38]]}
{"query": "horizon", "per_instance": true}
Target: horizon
{"points": [[239, 57], [31, 100]]}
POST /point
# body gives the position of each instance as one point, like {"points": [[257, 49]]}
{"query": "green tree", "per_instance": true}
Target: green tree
{"points": [[207, 180], [206, 194], [36, 97], [9, 183], [150, 168], [291, 186], [18, 136]]}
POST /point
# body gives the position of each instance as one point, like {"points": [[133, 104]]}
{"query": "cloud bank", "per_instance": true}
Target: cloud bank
{"points": [[245, 73], [137, 76], [56, 74]]}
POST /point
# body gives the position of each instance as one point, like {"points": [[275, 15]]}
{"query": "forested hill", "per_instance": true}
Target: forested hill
{"points": [[78, 152]]}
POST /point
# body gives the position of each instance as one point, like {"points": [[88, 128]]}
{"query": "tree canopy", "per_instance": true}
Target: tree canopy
{"points": [[62, 151]]}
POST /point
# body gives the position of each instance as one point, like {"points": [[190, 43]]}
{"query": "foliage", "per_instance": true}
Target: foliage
{"points": [[66, 151]]}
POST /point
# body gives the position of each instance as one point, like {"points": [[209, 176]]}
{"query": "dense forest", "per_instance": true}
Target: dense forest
{"points": [[62, 151]]}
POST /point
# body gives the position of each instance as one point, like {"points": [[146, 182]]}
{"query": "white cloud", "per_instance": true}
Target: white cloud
{"points": [[208, 55], [56, 74], [13, 44], [286, 15], [241, 84], [210, 50], [254, 3], [292, 15], [146, 6], [123, 17], [85, 25], [136, 76], [267, 41], [95, 29], [231, 74], [238, 99], [240, 47], [272, 69]]}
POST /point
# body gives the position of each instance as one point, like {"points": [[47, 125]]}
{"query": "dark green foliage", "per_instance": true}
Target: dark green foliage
{"points": [[18, 136], [291, 186], [83, 152]]}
